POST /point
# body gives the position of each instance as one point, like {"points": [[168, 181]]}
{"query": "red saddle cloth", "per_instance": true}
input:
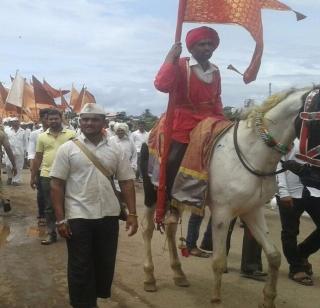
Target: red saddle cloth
{"points": [[191, 182]]}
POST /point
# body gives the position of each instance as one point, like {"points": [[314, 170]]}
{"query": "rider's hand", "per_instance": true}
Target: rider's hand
{"points": [[174, 53], [286, 201]]}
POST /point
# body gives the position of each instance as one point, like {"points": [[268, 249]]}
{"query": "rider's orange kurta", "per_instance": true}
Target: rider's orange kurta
{"points": [[195, 100]]}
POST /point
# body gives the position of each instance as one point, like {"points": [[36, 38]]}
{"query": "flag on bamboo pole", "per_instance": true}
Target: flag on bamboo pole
{"points": [[246, 13], [74, 96], [41, 95], [55, 93], [15, 95]]}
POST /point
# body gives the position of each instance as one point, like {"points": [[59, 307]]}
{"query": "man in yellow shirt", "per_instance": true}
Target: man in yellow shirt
{"points": [[47, 145]]}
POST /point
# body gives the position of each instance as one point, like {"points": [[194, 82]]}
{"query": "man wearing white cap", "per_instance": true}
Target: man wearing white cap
{"points": [[18, 143], [123, 140], [87, 208]]}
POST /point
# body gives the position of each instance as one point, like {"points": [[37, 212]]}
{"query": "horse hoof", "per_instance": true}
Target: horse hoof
{"points": [[181, 281], [150, 286]]}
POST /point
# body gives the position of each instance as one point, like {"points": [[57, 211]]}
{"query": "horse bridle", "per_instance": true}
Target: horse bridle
{"points": [[269, 141]]}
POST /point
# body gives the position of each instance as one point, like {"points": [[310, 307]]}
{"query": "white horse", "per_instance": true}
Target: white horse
{"points": [[234, 191]]}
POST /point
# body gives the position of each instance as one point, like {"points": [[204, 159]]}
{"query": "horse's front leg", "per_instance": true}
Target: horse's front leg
{"points": [[257, 225], [179, 277], [220, 227], [147, 232]]}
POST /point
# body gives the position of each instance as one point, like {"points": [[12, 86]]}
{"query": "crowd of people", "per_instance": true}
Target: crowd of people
{"points": [[74, 173], [65, 180]]}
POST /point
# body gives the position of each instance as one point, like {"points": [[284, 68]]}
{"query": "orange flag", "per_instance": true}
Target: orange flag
{"points": [[84, 97], [74, 96], [41, 95], [246, 13], [52, 91]]}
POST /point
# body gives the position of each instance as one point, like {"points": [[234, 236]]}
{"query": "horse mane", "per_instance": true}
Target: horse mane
{"points": [[267, 105]]}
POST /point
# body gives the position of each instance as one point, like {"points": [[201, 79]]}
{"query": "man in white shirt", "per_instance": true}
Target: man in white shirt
{"points": [[18, 143], [87, 208], [293, 200], [139, 137], [126, 144]]}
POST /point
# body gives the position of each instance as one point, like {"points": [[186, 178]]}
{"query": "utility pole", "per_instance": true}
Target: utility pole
{"points": [[270, 88]]}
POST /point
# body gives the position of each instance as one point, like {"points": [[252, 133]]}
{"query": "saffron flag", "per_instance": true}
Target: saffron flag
{"points": [[52, 91], [84, 97], [41, 95], [74, 96], [246, 13]]}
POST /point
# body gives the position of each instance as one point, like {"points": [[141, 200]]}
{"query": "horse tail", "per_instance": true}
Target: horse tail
{"points": [[150, 192]]}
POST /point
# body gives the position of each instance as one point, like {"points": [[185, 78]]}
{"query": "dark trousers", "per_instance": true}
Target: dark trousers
{"points": [[49, 211], [193, 233], [290, 221], [138, 172], [92, 252], [40, 199], [176, 154], [251, 250]]}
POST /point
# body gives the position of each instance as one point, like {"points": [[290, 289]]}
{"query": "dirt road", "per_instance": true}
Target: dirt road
{"points": [[34, 276]]}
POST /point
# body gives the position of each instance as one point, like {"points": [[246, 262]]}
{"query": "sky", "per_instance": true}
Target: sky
{"points": [[115, 48]]}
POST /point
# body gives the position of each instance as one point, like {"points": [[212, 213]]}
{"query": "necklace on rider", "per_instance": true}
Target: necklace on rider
{"points": [[267, 138]]}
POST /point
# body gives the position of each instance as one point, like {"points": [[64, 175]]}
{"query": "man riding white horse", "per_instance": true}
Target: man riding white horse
{"points": [[195, 84]]}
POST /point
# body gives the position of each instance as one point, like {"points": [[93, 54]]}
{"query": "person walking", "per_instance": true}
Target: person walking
{"points": [[18, 144], [139, 137], [293, 199], [4, 142], [47, 145], [87, 209], [32, 146], [123, 140]]}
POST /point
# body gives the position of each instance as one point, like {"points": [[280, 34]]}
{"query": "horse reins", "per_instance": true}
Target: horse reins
{"points": [[244, 161]]}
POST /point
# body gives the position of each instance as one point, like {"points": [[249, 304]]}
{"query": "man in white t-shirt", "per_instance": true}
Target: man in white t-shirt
{"points": [[139, 137], [87, 208]]}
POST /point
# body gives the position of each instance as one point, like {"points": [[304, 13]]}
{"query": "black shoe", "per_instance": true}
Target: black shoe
{"points": [[49, 240]]}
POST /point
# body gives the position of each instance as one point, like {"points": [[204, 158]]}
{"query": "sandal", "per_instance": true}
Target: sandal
{"points": [[303, 279], [308, 267], [196, 252]]}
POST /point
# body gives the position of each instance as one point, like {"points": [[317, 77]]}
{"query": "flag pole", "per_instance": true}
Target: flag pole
{"points": [[161, 192]]}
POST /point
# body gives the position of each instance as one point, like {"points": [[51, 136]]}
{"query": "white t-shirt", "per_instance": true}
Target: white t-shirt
{"points": [[139, 138]]}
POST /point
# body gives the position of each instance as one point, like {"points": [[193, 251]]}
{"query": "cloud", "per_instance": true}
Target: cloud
{"points": [[115, 48]]}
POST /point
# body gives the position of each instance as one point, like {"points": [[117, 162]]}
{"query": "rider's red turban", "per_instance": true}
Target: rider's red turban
{"points": [[202, 33]]}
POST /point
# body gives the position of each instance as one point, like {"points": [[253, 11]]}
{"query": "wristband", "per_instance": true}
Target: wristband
{"points": [[134, 215], [61, 222]]}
